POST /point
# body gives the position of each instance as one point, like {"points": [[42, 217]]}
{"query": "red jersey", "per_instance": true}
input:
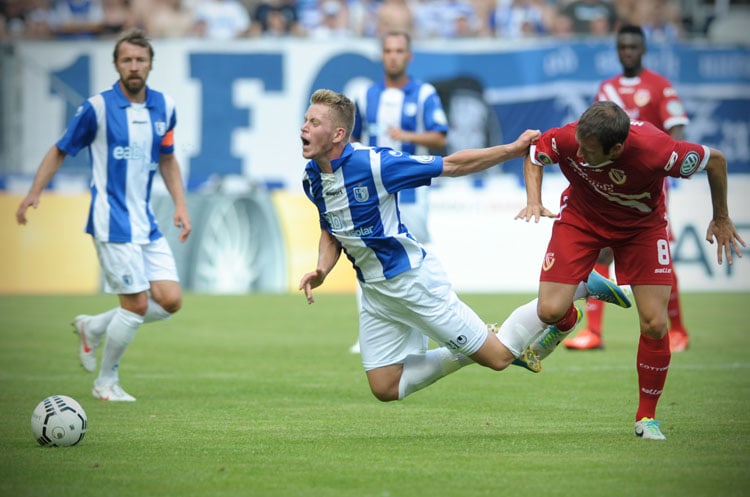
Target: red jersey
{"points": [[646, 97], [624, 196]]}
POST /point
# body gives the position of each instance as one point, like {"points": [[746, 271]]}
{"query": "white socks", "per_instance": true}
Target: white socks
{"points": [[523, 325], [421, 370], [97, 324], [521, 328], [581, 291], [155, 312], [120, 333]]}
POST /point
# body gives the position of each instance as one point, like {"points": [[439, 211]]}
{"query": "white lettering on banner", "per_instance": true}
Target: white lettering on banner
{"points": [[257, 111], [507, 254]]}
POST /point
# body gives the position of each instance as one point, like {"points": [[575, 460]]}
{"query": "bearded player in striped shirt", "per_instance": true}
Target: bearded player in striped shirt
{"points": [[128, 130]]}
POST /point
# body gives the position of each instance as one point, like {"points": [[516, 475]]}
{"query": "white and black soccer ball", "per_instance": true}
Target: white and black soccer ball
{"points": [[58, 421]]}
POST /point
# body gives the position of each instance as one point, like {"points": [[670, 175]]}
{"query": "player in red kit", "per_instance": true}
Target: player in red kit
{"points": [[645, 96], [616, 169]]}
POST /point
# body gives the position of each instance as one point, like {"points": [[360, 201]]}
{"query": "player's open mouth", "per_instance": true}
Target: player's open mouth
{"points": [[305, 142]]}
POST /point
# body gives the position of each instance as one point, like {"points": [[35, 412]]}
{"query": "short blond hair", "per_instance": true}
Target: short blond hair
{"points": [[340, 106]]}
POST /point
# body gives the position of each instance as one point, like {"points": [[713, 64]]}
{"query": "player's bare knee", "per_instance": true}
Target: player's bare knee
{"points": [[499, 364], [172, 305], [384, 395], [549, 314], [655, 329]]}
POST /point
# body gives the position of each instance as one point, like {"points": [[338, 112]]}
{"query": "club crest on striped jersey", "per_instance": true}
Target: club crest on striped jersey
{"points": [[424, 159], [160, 127], [361, 193]]}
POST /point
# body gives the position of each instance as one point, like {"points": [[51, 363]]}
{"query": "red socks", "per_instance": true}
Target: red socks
{"points": [[652, 363], [569, 320]]}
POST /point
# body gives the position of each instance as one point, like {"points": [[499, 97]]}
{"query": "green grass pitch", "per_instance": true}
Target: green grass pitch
{"points": [[256, 395]]}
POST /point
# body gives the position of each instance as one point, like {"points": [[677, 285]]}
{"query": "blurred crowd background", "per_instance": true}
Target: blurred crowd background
{"points": [[664, 20]]}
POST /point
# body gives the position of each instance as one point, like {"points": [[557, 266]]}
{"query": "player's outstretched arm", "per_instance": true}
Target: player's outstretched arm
{"points": [[474, 160]]}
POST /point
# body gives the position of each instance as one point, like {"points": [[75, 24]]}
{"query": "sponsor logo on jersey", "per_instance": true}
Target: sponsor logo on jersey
{"points": [[361, 193], [363, 231], [672, 161], [334, 193], [690, 163], [549, 261], [457, 342], [617, 176], [128, 153]]}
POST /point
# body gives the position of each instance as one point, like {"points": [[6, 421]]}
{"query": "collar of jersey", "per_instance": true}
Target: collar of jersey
{"points": [[337, 163], [123, 101], [410, 86]]}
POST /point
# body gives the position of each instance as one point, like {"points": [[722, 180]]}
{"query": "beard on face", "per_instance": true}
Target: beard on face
{"points": [[133, 85]]}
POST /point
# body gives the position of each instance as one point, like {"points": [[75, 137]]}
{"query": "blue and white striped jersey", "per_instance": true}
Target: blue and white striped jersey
{"points": [[358, 205], [415, 107], [125, 140]]}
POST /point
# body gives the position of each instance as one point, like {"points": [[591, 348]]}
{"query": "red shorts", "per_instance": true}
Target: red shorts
{"points": [[642, 258]]}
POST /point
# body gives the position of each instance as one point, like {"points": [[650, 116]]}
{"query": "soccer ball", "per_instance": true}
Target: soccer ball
{"points": [[58, 421]]}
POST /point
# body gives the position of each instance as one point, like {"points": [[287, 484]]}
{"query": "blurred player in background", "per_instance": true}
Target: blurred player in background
{"points": [[405, 114], [645, 96], [129, 132], [616, 170]]}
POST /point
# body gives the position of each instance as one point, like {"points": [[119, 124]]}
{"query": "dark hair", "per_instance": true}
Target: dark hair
{"points": [[134, 37], [631, 29], [605, 121], [391, 34]]}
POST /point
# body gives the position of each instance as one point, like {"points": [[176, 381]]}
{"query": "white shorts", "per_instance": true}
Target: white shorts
{"points": [[129, 268], [398, 315]]}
